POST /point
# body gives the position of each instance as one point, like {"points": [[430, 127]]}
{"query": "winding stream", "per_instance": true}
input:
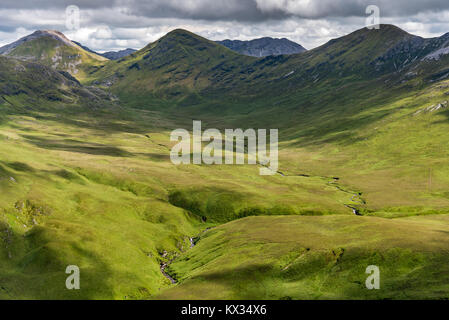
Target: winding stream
{"points": [[165, 274]]}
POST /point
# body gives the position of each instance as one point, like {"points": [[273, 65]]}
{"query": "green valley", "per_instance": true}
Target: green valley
{"points": [[86, 176]]}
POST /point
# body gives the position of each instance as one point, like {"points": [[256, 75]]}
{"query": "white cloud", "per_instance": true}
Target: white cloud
{"points": [[115, 25]]}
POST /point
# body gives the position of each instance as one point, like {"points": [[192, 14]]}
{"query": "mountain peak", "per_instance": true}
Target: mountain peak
{"points": [[56, 35], [180, 31], [385, 30], [179, 36], [390, 27], [182, 35], [52, 48]]}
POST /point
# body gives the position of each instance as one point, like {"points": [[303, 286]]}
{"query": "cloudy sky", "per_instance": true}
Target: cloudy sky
{"points": [[117, 24]]}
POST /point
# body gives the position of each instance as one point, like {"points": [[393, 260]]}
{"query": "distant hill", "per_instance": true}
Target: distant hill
{"points": [[263, 47], [53, 49], [115, 55], [111, 55]]}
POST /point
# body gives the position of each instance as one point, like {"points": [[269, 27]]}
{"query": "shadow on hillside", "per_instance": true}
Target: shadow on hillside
{"points": [[4, 173], [246, 282], [334, 123], [71, 145], [106, 121], [40, 271], [19, 166], [330, 113], [103, 125], [344, 133], [445, 113], [159, 157]]}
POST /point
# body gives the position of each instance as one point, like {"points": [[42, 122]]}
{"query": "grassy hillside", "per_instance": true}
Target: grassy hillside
{"points": [[316, 258], [92, 185], [91, 189]]}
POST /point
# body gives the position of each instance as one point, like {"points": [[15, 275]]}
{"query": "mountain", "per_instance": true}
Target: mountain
{"points": [[54, 49], [116, 55], [263, 47], [175, 67], [389, 50]]}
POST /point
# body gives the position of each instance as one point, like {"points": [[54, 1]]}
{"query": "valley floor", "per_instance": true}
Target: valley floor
{"points": [[99, 191]]}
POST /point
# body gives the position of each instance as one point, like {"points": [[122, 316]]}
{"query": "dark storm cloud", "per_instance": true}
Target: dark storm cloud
{"points": [[55, 4], [240, 10], [314, 9]]}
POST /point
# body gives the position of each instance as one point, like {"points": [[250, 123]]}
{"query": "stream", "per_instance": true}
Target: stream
{"points": [[332, 183], [166, 264], [165, 274]]}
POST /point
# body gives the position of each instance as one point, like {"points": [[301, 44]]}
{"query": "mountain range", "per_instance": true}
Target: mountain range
{"points": [[86, 176], [205, 73], [66, 54], [261, 47]]}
